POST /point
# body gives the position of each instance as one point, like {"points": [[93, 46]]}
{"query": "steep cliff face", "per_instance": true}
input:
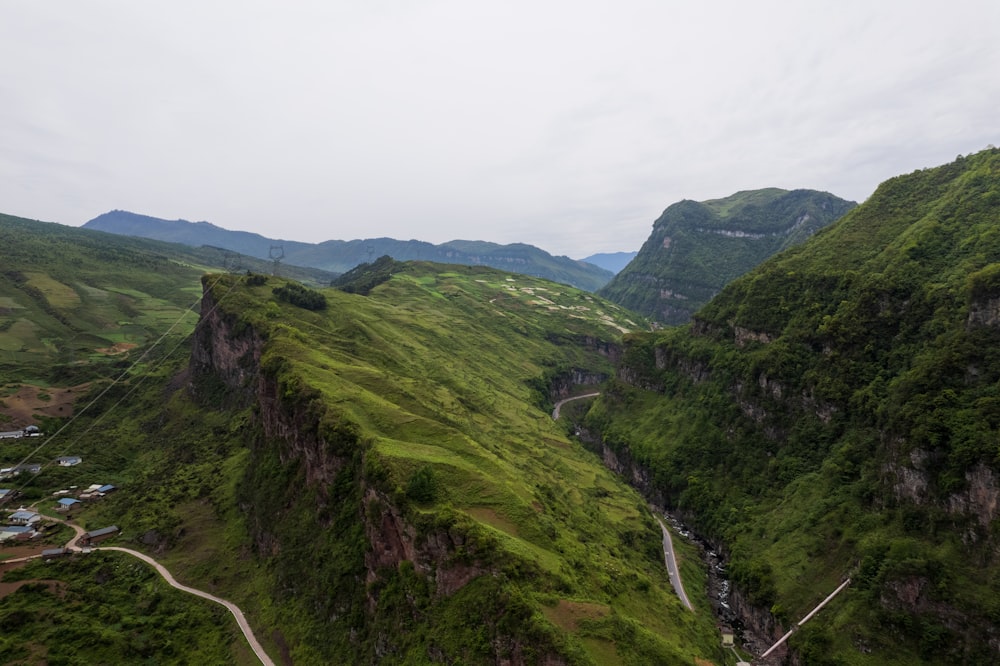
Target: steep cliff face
{"points": [[225, 350], [908, 480], [912, 481], [339, 540], [434, 554], [696, 248], [837, 409], [759, 629]]}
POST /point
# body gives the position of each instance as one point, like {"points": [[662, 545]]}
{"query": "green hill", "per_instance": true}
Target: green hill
{"points": [[372, 478], [340, 256], [833, 413], [696, 248], [407, 492], [372, 472], [72, 300]]}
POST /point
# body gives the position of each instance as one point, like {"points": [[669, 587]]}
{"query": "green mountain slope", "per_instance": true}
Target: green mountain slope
{"points": [[409, 496], [697, 248], [72, 300], [834, 413], [340, 256], [374, 479]]}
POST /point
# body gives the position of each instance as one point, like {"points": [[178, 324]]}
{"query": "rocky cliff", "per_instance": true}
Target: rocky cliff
{"points": [[696, 248], [322, 518], [834, 413]]}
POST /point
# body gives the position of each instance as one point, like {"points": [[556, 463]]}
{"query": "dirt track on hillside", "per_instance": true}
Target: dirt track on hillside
{"points": [[13, 553]]}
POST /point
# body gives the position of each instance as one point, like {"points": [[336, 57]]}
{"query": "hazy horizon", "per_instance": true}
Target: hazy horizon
{"points": [[565, 125]]}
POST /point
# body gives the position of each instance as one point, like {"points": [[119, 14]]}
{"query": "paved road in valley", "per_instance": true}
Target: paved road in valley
{"points": [[668, 545], [672, 570], [555, 412]]}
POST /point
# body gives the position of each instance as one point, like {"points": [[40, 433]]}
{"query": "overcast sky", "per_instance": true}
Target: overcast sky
{"points": [[567, 125]]}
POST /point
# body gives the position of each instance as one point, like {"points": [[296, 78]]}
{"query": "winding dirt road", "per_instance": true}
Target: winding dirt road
{"points": [[233, 608], [241, 620]]}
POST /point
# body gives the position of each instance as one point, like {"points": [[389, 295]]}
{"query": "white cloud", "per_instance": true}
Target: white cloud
{"points": [[568, 125]]}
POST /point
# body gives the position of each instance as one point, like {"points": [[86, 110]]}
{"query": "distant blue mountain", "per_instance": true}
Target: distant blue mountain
{"points": [[340, 256], [611, 261]]}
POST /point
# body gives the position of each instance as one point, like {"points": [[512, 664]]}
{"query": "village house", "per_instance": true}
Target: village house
{"points": [[30, 431], [67, 504], [24, 517], [7, 472], [96, 491], [16, 532], [69, 461], [96, 536]]}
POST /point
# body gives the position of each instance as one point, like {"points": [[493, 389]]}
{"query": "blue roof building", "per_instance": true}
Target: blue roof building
{"points": [[24, 517]]}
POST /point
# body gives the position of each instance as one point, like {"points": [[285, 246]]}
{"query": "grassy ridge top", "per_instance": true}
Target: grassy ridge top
{"points": [[442, 374]]}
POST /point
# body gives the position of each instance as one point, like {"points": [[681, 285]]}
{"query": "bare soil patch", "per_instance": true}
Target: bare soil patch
{"points": [[20, 550], [24, 406], [55, 586], [16, 552], [117, 348]]}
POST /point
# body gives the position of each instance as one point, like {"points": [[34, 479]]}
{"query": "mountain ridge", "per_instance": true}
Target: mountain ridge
{"points": [[833, 413], [695, 248], [373, 470], [612, 261], [341, 255]]}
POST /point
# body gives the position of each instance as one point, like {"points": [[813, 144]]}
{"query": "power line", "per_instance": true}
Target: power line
{"points": [[49, 440]]}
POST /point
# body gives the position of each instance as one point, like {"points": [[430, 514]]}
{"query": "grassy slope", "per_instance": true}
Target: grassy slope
{"points": [[77, 309], [110, 609], [436, 371], [820, 376], [68, 296], [439, 370]]}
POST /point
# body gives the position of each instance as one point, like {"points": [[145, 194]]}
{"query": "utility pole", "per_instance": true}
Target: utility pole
{"points": [[277, 253]]}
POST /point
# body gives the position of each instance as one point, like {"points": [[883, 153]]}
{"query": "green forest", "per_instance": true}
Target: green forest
{"points": [[832, 414], [698, 247]]}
